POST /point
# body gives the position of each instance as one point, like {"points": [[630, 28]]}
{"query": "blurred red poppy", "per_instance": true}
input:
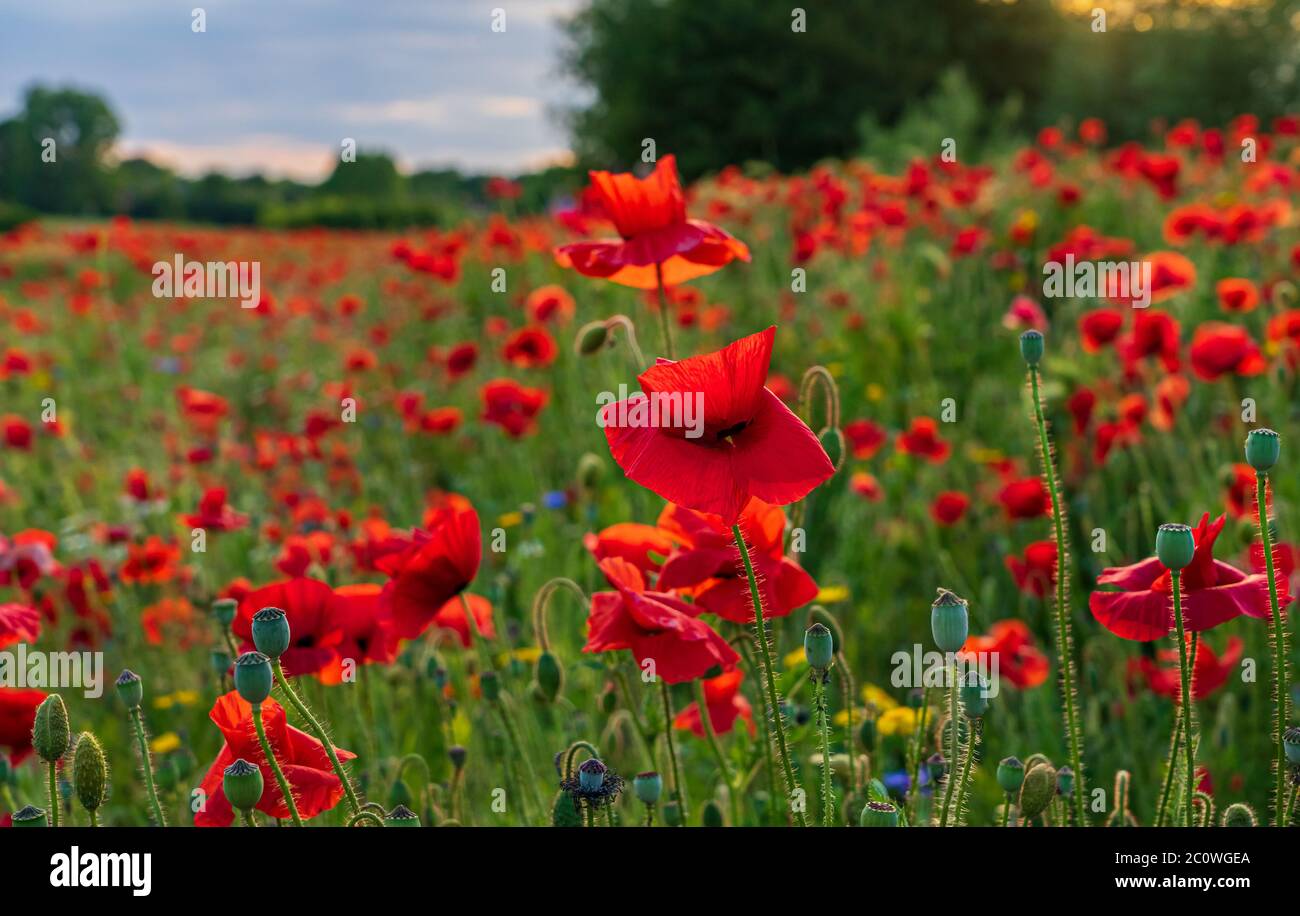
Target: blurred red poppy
{"points": [[1220, 349], [17, 715], [725, 702], [865, 438], [215, 514], [18, 623], [512, 406], [949, 507], [922, 439], [530, 348], [1020, 663], [1035, 572], [657, 238], [644, 546], [1237, 295], [1024, 497], [1209, 670], [437, 566], [314, 633]]}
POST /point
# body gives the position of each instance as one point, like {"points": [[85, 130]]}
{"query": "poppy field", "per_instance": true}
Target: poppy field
{"points": [[835, 498]]}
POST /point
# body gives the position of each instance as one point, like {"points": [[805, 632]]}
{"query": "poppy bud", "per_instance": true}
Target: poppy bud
{"points": [[974, 695], [949, 621], [89, 772], [818, 647], [401, 816], [30, 816], [253, 677], [648, 787], [1038, 790], [1238, 814], [271, 631], [50, 731], [608, 699], [1011, 774], [1291, 743], [130, 688], [220, 659], [591, 337], [832, 441], [242, 784], [490, 686], [590, 471], [711, 816], [591, 774], [1031, 346], [1175, 546], [457, 755], [1065, 781], [550, 676], [878, 814], [224, 610], [1262, 448], [672, 813], [867, 734]]}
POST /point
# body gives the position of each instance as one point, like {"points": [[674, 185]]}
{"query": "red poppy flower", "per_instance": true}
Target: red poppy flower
{"points": [[1080, 405], [367, 632], [302, 759], [751, 445], [1154, 333], [655, 626], [865, 438], [1035, 572], [1172, 392], [708, 563], [152, 562], [1020, 663], [16, 431], [530, 348], [550, 302], [922, 439], [1025, 497], [461, 359], [1099, 328], [1214, 592], [308, 604], [1209, 670], [725, 702], [512, 406], [949, 507], [1220, 349], [137, 485], [650, 215], [451, 616], [214, 514], [867, 486], [1240, 491], [1237, 295], [638, 544], [17, 715], [19, 623], [437, 566]]}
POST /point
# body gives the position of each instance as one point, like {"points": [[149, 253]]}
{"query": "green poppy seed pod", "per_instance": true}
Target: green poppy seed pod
{"points": [[50, 731], [648, 787], [832, 441], [490, 685], [130, 688], [672, 813], [1065, 781], [591, 337], [220, 660], [550, 676], [242, 784], [1238, 814], [949, 621], [271, 631], [711, 816], [1263, 446], [1038, 790], [457, 755], [223, 609], [1291, 743], [818, 647], [1175, 546], [878, 814], [30, 816], [253, 677], [974, 695], [867, 734], [1031, 346], [1011, 774], [401, 816], [591, 774], [89, 772], [590, 471]]}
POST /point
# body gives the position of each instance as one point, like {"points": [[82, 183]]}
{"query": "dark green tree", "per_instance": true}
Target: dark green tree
{"points": [[52, 154]]}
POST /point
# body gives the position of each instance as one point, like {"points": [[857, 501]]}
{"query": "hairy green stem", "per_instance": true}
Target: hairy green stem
{"points": [[54, 794], [824, 727], [146, 763], [1171, 767], [678, 791], [1277, 635], [320, 733], [1185, 676], [952, 747], [1063, 640], [285, 789], [972, 742], [765, 656]]}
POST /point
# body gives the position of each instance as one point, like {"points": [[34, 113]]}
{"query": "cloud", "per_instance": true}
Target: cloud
{"points": [[275, 157]]}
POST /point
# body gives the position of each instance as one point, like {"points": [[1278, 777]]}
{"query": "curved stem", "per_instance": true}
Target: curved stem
{"points": [[1063, 641], [146, 763], [283, 783], [320, 733], [363, 816], [765, 655], [54, 794], [664, 321], [1171, 766], [475, 636], [630, 329], [1185, 676], [1277, 635], [672, 751], [517, 750], [824, 727], [542, 601]]}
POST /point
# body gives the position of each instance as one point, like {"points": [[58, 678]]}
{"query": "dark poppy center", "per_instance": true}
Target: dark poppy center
{"points": [[733, 430]]}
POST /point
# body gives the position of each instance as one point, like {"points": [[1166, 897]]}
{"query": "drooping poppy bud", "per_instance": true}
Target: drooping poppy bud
{"points": [[1175, 546], [550, 676], [591, 337], [253, 677], [1263, 446], [1038, 790], [271, 631], [242, 784], [50, 731]]}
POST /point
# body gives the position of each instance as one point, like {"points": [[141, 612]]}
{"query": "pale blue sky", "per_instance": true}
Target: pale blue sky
{"points": [[275, 85]]}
